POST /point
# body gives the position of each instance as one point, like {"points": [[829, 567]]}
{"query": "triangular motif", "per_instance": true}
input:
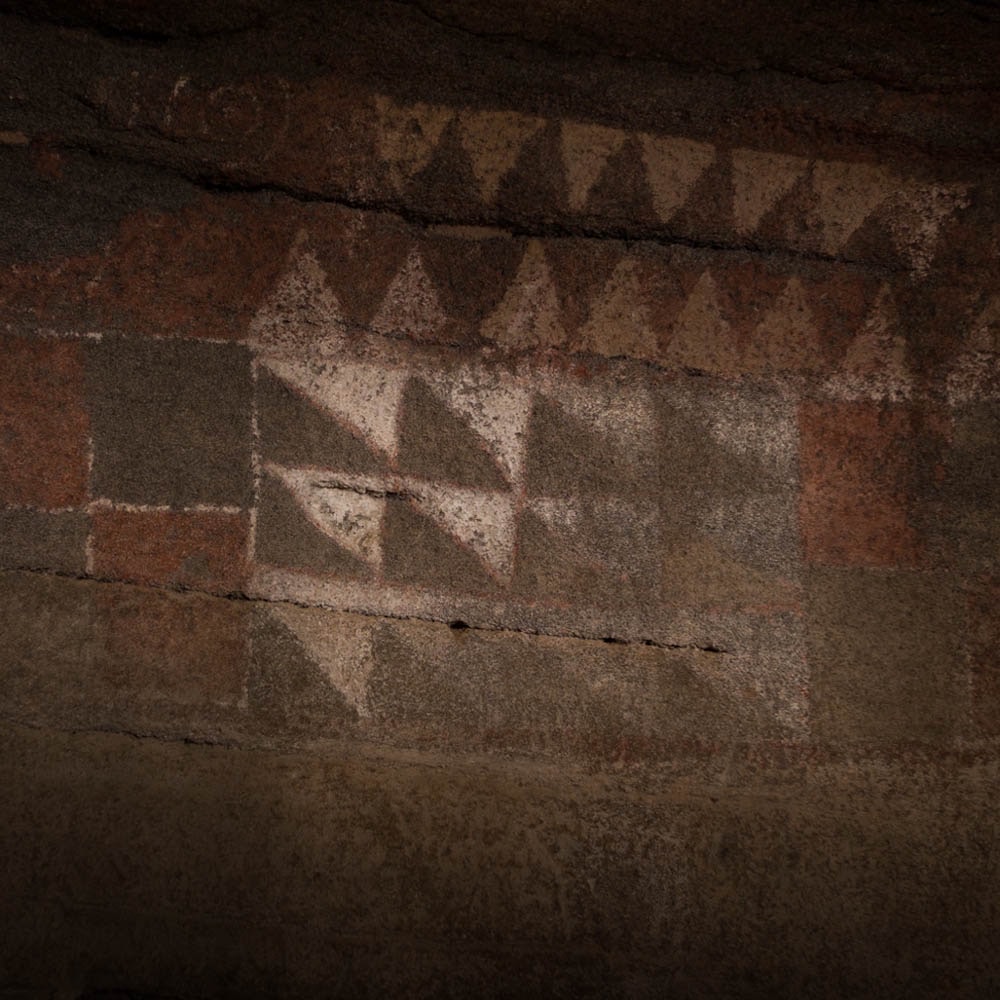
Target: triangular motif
{"points": [[976, 373], [529, 314], [586, 150], [300, 306], [498, 412], [787, 335], [673, 166], [351, 518], [760, 181], [406, 136], [485, 522], [342, 649], [627, 419], [493, 140], [920, 213], [438, 445], [620, 316], [847, 194], [411, 305], [700, 331], [366, 397], [294, 430], [875, 362]]}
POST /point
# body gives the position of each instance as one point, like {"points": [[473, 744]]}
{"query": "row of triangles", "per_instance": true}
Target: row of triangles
{"points": [[445, 415], [350, 510], [368, 399], [844, 194], [408, 137], [530, 314]]}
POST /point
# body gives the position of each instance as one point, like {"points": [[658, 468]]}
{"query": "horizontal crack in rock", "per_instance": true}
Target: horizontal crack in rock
{"points": [[239, 595], [213, 180]]}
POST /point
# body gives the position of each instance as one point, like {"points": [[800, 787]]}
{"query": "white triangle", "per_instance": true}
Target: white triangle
{"points": [[976, 374], [875, 364], [673, 166], [411, 305], [747, 426], [529, 313], [351, 518], [300, 308], [627, 417], [341, 645], [586, 150], [847, 193], [619, 320], [700, 331], [497, 410], [493, 141], [406, 136], [760, 181], [787, 335], [916, 224], [366, 397], [484, 522]]}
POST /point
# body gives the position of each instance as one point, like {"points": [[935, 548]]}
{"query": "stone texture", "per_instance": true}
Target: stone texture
{"points": [[260, 872], [856, 462], [983, 611], [202, 550], [171, 422], [518, 486], [43, 423], [80, 654], [32, 539], [884, 651], [970, 493]]}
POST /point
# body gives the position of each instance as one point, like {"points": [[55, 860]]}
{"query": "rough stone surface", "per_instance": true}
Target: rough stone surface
{"points": [[220, 872], [499, 499], [884, 647], [201, 550], [171, 422], [34, 539], [43, 424]]}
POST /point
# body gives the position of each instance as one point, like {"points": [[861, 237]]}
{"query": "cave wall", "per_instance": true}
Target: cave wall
{"points": [[499, 500]]}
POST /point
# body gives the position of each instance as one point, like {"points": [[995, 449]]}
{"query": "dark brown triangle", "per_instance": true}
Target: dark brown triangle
{"points": [[471, 274], [622, 192], [296, 432], [416, 550], [708, 205], [448, 171], [285, 537], [362, 265], [567, 456], [580, 269], [437, 444], [286, 689], [537, 182]]}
